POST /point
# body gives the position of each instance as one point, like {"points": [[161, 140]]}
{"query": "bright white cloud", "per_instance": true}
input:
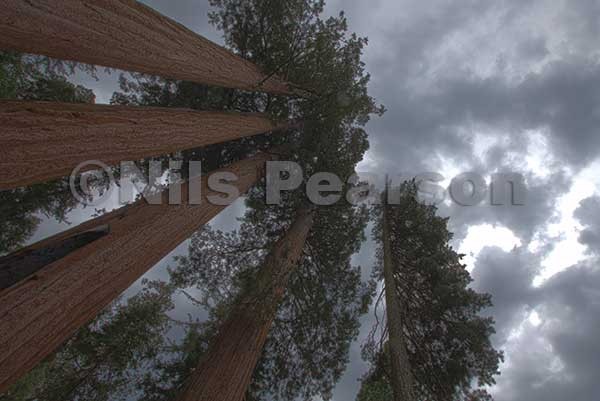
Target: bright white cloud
{"points": [[483, 235], [567, 250]]}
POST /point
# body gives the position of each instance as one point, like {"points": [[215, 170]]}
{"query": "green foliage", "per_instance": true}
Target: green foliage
{"points": [[144, 90], [290, 39], [100, 362], [21, 208], [10, 74], [166, 373], [376, 385], [28, 78], [307, 348], [448, 340], [38, 78], [375, 390], [54, 89]]}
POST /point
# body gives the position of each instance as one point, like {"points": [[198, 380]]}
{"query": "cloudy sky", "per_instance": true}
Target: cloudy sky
{"points": [[492, 86]]}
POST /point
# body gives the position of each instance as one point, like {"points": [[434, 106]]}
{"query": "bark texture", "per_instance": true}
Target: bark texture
{"points": [[39, 313], [41, 141], [127, 35], [19, 265], [401, 377], [225, 372]]}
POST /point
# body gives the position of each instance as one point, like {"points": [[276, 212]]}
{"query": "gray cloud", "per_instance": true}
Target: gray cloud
{"points": [[558, 359], [588, 214], [524, 220], [508, 278]]}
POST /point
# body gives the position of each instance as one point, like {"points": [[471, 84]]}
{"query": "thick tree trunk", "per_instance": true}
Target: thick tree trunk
{"points": [[39, 313], [128, 35], [402, 379], [41, 141], [19, 265], [225, 372]]}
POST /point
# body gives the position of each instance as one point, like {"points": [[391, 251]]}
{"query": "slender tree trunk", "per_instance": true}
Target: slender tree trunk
{"points": [[225, 372], [42, 311], [402, 379], [41, 141], [128, 35]]}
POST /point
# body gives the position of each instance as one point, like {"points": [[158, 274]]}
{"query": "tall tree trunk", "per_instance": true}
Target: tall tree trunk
{"points": [[39, 313], [225, 372], [19, 265], [402, 378], [41, 141], [128, 35]]}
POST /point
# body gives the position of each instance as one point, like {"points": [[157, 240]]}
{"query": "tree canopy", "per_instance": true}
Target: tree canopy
{"points": [[448, 340], [35, 78]]}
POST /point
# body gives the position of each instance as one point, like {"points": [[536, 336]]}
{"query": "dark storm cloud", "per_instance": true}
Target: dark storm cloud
{"points": [[564, 99], [532, 49], [557, 360], [524, 220], [508, 277], [588, 214], [572, 304], [403, 32], [424, 122]]}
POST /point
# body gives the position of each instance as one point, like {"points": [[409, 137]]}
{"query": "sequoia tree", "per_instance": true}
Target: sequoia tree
{"points": [[28, 78], [307, 349], [292, 39], [42, 311], [154, 44], [317, 318], [401, 373], [225, 372], [437, 337], [101, 362]]}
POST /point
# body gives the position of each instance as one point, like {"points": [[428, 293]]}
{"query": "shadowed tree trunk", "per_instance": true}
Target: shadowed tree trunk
{"points": [[42, 140], [126, 35], [225, 372], [39, 313], [401, 375], [19, 265]]}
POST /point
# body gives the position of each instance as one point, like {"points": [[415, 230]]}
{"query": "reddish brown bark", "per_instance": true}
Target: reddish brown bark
{"points": [[41, 141], [39, 313], [128, 35], [19, 265], [225, 372], [401, 377]]}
